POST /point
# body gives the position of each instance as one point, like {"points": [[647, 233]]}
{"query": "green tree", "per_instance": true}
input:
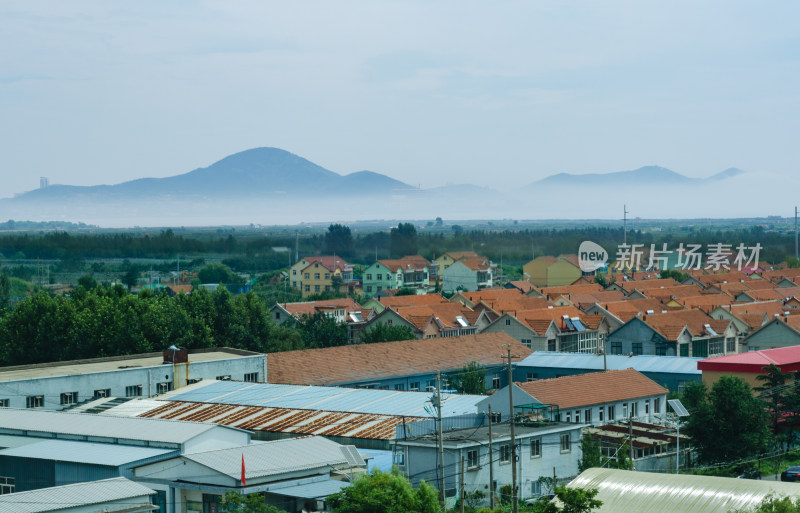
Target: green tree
{"points": [[5, 291], [234, 501], [590, 453], [772, 504], [319, 330], [384, 492], [728, 423], [384, 333], [469, 380], [773, 391], [573, 500], [87, 282], [339, 240], [403, 240], [219, 273]]}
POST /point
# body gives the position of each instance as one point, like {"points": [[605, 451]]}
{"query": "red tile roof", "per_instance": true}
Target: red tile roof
{"points": [[312, 307], [592, 388], [412, 300], [361, 362], [405, 263], [328, 262]]}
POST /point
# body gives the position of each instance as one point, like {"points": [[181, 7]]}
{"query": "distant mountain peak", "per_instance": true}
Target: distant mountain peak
{"points": [[645, 175]]}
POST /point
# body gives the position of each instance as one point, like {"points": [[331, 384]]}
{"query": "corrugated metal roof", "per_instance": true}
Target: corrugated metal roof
{"points": [[272, 458], [85, 452], [81, 424], [74, 495], [283, 420], [641, 363], [317, 490], [645, 492], [358, 400]]}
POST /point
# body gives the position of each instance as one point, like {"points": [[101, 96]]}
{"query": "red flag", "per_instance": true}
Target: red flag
{"points": [[243, 481]]}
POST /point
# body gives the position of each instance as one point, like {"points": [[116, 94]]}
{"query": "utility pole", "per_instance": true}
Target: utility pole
{"points": [[624, 224], [630, 433], [795, 233], [441, 442], [491, 462], [515, 498], [463, 492]]}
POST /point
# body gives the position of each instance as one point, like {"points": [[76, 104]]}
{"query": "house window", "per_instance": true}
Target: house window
{"points": [[316, 276], [307, 276], [508, 322], [730, 344], [656, 405], [399, 386], [532, 376], [565, 445], [496, 417], [163, 388], [277, 316], [431, 384], [102, 392], [636, 348], [133, 391], [661, 350], [389, 322], [369, 288], [715, 346], [251, 377], [536, 488], [611, 412], [316, 288], [505, 453], [414, 386], [600, 412], [634, 410], [34, 401], [308, 288], [3, 403], [294, 272], [327, 276], [472, 459], [569, 417], [226, 377], [496, 381], [69, 398], [327, 288], [536, 447], [379, 277], [647, 406], [399, 456], [551, 344], [369, 276], [526, 342], [587, 416], [616, 348], [7, 485], [624, 410]]}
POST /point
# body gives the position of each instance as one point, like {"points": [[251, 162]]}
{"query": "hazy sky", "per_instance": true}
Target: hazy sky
{"points": [[429, 92]]}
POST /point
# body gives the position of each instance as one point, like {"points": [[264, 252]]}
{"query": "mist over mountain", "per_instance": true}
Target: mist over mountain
{"points": [[272, 186]]}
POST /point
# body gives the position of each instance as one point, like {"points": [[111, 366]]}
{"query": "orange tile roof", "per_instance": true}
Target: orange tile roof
{"points": [[710, 279], [502, 306], [476, 264], [671, 324], [523, 286], [563, 290], [344, 364], [413, 300], [669, 292], [328, 262], [648, 284], [597, 297], [413, 261], [753, 320], [759, 284], [778, 274], [707, 301], [312, 307], [592, 388], [458, 255], [445, 312], [628, 308], [764, 294], [492, 294], [769, 308], [788, 292]]}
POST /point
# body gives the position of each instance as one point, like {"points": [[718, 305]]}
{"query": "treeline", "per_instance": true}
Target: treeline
{"points": [[112, 322], [255, 253]]}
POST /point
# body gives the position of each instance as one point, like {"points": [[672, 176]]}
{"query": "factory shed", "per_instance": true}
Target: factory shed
{"points": [[649, 492]]}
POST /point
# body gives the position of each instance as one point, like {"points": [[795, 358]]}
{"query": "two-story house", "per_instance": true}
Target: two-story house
{"points": [[411, 272]]}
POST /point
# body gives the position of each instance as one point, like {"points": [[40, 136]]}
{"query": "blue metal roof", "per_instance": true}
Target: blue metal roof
{"points": [[642, 363], [359, 400], [85, 452]]}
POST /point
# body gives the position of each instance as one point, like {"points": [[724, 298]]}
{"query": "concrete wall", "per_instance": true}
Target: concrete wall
{"points": [[459, 276], [117, 380], [771, 336]]}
